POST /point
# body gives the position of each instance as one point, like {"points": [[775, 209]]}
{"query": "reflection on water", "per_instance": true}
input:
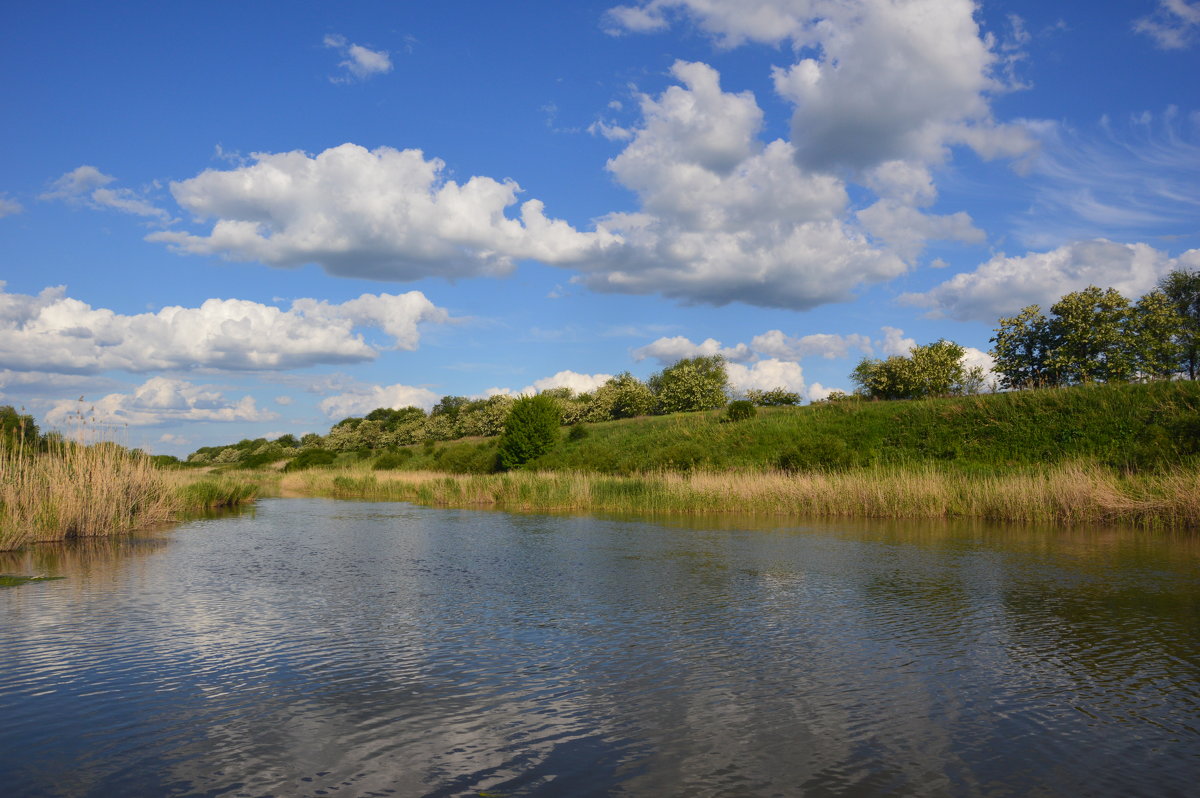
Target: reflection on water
{"points": [[335, 648]]}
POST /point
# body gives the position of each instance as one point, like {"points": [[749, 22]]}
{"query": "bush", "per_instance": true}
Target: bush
{"points": [[691, 384], [531, 430], [392, 460], [309, 458], [740, 410], [577, 433]]}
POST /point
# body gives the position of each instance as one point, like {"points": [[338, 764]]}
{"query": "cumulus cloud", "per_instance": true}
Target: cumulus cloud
{"points": [[1173, 24], [384, 214], [9, 207], [364, 399], [894, 342], [53, 332], [764, 375], [578, 383], [359, 62], [725, 217], [160, 400], [890, 81], [670, 350], [775, 343], [88, 185], [1004, 285]]}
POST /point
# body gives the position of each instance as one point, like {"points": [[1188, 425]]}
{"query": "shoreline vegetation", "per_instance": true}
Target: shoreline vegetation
{"points": [[1069, 493], [63, 490], [1090, 454]]}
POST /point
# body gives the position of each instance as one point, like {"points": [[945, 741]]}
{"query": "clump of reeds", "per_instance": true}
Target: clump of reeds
{"points": [[73, 490], [1071, 493]]}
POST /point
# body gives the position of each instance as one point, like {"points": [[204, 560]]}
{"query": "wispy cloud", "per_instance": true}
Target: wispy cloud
{"points": [[1173, 24], [9, 207], [1120, 180], [89, 186]]}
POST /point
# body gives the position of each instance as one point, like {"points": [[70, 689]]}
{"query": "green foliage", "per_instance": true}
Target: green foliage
{"points": [[392, 418], [776, 397], [1022, 344], [691, 384], [1088, 334], [1182, 288], [623, 396], [530, 430], [449, 406], [935, 369], [392, 460], [577, 432], [818, 453], [287, 441], [310, 458], [740, 410], [17, 428]]}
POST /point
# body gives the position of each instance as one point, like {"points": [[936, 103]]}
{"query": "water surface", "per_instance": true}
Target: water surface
{"points": [[340, 648]]}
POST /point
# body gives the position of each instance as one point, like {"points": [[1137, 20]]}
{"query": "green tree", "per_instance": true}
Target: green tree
{"points": [[449, 406], [935, 369], [1154, 333], [17, 427], [698, 383], [1021, 347], [1182, 287], [1089, 336], [532, 429], [776, 397], [623, 396]]}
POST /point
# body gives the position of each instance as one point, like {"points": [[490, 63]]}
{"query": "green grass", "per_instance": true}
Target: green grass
{"points": [[1128, 427]]}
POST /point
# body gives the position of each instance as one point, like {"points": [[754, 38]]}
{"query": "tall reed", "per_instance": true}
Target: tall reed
{"points": [[1073, 493]]}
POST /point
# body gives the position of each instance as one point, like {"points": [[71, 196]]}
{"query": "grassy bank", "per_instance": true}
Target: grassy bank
{"points": [[1071, 492], [76, 491], [1143, 427]]}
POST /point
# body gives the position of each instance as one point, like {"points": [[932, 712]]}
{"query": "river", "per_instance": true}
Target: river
{"points": [[316, 647]]}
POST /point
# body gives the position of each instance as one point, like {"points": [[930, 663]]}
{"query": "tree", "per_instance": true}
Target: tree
{"points": [[449, 406], [1022, 345], [1088, 336], [623, 396], [1183, 289], [1153, 336], [17, 428], [776, 397], [935, 369], [697, 383], [530, 430]]}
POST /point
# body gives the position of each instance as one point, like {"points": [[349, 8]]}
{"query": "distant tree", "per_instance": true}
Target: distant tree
{"points": [[17, 427], [1088, 336], [623, 396], [698, 383], [287, 441], [776, 397], [1153, 336], [935, 369], [532, 429], [1021, 348], [449, 406], [393, 417], [1182, 287]]}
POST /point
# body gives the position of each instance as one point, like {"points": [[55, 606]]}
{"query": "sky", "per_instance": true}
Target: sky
{"points": [[233, 220]]}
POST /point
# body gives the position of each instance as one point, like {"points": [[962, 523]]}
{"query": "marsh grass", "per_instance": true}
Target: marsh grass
{"points": [[1077, 492], [77, 490]]}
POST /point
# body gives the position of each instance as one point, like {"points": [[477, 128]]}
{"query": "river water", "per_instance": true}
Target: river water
{"points": [[315, 647]]}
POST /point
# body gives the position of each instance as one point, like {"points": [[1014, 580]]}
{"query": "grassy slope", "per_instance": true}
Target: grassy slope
{"points": [[1125, 426]]}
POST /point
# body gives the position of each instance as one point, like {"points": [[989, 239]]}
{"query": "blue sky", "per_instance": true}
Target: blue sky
{"points": [[228, 220]]}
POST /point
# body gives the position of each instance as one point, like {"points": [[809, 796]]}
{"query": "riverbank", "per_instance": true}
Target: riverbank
{"points": [[76, 491], [1067, 493]]}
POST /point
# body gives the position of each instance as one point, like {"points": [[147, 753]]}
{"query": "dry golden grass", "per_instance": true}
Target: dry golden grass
{"points": [[1069, 493]]}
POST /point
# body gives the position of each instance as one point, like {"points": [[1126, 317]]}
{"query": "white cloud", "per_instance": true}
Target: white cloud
{"points": [[670, 350], [578, 383], [725, 217], [360, 62], [819, 393], [1004, 285], [160, 400], [52, 332], [9, 207], [1173, 24], [363, 400], [283, 400], [774, 343], [894, 342], [385, 214], [765, 375], [890, 80], [88, 185]]}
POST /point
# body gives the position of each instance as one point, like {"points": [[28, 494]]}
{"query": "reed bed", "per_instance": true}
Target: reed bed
{"points": [[81, 491], [1067, 493]]}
